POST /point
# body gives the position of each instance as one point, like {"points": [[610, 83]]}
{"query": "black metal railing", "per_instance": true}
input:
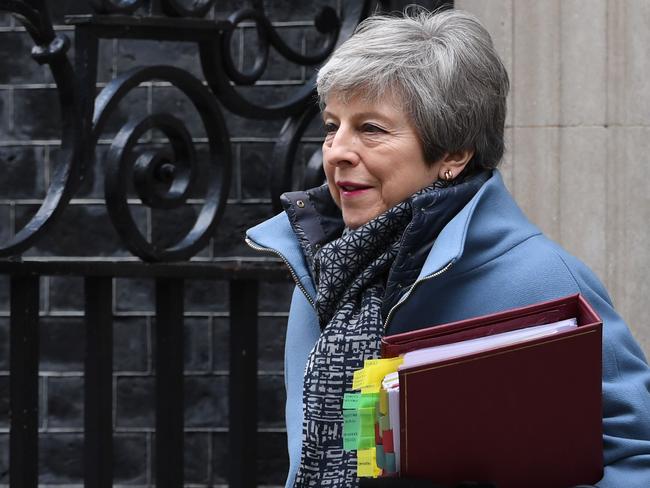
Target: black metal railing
{"points": [[243, 278]]}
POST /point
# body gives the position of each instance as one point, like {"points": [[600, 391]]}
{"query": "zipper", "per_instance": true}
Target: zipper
{"points": [[410, 290], [257, 247]]}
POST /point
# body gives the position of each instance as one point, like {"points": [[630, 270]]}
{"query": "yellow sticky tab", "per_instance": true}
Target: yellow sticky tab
{"points": [[359, 379], [383, 402], [369, 379], [367, 463], [376, 373], [370, 389]]}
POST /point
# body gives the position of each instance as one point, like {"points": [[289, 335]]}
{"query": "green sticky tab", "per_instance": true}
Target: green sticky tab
{"points": [[366, 421], [351, 401], [365, 442], [350, 421], [350, 429], [367, 400], [350, 440]]}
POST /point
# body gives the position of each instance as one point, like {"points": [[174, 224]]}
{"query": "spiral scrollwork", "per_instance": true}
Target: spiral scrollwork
{"points": [[50, 48], [220, 69], [284, 153], [164, 178], [262, 56]]}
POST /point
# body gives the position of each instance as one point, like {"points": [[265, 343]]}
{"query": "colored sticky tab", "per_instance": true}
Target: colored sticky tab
{"points": [[378, 371], [370, 389], [350, 440], [366, 463], [367, 400], [366, 421], [358, 379], [387, 441], [350, 429], [384, 424], [351, 401], [351, 420], [379, 454], [389, 462], [383, 402], [370, 377], [365, 442]]}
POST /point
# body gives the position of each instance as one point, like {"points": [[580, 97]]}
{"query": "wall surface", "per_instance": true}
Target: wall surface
{"points": [[578, 132]]}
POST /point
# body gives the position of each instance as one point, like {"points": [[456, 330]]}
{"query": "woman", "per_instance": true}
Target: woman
{"points": [[414, 228]]}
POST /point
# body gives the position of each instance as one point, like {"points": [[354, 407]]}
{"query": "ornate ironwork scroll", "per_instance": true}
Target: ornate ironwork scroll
{"points": [[50, 48], [164, 178]]}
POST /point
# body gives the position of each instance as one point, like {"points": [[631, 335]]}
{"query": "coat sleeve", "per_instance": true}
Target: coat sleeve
{"points": [[302, 334], [626, 393]]}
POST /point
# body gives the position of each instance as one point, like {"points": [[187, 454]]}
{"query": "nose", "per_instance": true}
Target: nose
{"points": [[340, 149]]}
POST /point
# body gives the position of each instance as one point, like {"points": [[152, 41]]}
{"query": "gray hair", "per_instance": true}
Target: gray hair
{"points": [[442, 66]]}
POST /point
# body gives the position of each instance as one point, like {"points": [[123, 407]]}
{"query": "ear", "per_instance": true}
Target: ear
{"points": [[451, 164]]}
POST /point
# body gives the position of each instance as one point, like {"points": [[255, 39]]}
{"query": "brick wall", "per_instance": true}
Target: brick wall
{"points": [[29, 132]]}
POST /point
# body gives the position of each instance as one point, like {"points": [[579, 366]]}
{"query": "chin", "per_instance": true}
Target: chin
{"points": [[355, 222]]}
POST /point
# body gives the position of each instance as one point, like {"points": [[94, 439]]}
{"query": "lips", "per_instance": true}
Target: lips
{"points": [[351, 189], [350, 186]]}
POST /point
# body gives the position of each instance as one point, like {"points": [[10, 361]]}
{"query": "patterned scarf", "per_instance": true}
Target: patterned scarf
{"points": [[350, 274]]}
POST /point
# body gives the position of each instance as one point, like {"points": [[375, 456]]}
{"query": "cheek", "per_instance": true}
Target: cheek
{"points": [[334, 191]]}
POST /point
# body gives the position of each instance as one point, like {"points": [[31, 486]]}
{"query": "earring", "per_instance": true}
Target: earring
{"points": [[449, 175]]}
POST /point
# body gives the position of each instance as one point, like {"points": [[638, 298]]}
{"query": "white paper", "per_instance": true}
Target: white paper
{"points": [[449, 351]]}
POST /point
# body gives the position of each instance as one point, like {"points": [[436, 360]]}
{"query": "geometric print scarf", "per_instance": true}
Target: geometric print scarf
{"points": [[350, 275]]}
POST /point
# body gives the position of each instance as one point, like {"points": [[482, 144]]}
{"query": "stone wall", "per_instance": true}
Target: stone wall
{"points": [[579, 132]]}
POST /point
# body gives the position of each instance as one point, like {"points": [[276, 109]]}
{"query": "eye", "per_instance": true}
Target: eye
{"points": [[372, 128], [329, 128]]}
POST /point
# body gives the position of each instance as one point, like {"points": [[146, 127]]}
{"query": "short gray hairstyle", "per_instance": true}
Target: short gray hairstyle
{"points": [[444, 68]]}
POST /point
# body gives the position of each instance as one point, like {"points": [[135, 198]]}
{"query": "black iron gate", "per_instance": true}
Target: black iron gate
{"points": [[163, 176]]}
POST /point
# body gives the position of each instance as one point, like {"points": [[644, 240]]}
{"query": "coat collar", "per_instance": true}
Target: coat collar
{"points": [[489, 225]]}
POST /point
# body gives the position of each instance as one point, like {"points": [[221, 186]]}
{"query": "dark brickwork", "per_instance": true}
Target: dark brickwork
{"points": [[29, 133]]}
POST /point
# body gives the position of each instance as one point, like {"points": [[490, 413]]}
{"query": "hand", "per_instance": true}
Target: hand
{"points": [[415, 483]]}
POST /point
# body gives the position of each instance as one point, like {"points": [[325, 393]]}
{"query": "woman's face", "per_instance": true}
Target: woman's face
{"points": [[372, 157]]}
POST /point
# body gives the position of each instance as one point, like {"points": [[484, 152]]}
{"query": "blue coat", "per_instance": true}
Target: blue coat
{"points": [[488, 258]]}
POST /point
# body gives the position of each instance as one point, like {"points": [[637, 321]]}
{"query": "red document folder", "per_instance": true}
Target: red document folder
{"points": [[522, 416]]}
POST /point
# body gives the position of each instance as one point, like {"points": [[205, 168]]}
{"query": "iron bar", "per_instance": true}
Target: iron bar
{"points": [[243, 382], [23, 360], [98, 383], [169, 382], [268, 270]]}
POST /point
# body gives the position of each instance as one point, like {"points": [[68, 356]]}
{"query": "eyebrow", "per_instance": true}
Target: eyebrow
{"points": [[360, 115]]}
